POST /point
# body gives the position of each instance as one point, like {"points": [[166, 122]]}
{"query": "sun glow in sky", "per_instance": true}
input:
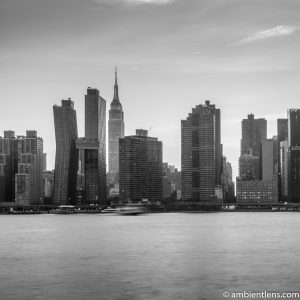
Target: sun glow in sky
{"points": [[171, 56]]}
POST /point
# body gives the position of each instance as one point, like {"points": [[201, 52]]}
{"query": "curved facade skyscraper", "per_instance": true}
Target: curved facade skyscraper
{"points": [[115, 131], [66, 158]]}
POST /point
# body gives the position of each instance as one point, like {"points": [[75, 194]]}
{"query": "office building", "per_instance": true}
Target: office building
{"points": [[256, 191], [115, 132], [66, 158], [201, 154], [141, 171]]}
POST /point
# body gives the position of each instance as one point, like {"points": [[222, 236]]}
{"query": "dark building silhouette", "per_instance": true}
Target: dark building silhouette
{"points": [[227, 183], [282, 135], [294, 155], [8, 166], [254, 131], [201, 154], [115, 131], [141, 171], [93, 149], [66, 158], [21, 168], [284, 171]]}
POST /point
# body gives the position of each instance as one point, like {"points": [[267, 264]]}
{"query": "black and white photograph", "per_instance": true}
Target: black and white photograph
{"points": [[149, 149]]}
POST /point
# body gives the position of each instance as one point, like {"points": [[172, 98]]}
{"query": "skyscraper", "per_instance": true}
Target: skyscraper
{"points": [[294, 154], [94, 147], [8, 166], [66, 158], [201, 153], [115, 131], [141, 171], [29, 179], [254, 131], [282, 135]]}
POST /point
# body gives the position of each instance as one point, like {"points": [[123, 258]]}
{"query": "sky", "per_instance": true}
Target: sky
{"points": [[242, 55]]}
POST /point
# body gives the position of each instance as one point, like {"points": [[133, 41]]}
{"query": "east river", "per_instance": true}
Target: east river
{"points": [[152, 256]]}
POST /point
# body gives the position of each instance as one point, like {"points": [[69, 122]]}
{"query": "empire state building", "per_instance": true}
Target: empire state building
{"points": [[115, 131]]}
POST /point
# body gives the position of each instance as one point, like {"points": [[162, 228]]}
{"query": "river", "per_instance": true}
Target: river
{"points": [[152, 256]]}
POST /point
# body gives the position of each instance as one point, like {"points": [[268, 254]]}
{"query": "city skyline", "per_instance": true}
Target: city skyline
{"points": [[244, 57]]}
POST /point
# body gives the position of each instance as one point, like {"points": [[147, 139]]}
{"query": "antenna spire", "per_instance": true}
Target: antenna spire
{"points": [[116, 88], [116, 75]]}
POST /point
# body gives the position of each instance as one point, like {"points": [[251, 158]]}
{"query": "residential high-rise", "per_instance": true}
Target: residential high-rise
{"points": [[66, 158], [201, 154], [115, 131], [29, 179], [141, 171], [94, 147], [294, 154]]}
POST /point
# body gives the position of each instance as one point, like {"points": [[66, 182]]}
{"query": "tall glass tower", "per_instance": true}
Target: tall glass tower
{"points": [[115, 131], [66, 158], [95, 147]]}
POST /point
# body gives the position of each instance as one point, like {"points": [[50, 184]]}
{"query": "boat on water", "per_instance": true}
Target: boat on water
{"points": [[110, 210], [65, 210], [228, 208], [132, 210]]}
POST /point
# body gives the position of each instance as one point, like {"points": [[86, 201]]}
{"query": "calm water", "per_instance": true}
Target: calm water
{"points": [[154, 256]]}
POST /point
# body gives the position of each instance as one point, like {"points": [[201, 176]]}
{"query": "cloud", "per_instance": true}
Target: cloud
{"points": [[280, 30]]}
